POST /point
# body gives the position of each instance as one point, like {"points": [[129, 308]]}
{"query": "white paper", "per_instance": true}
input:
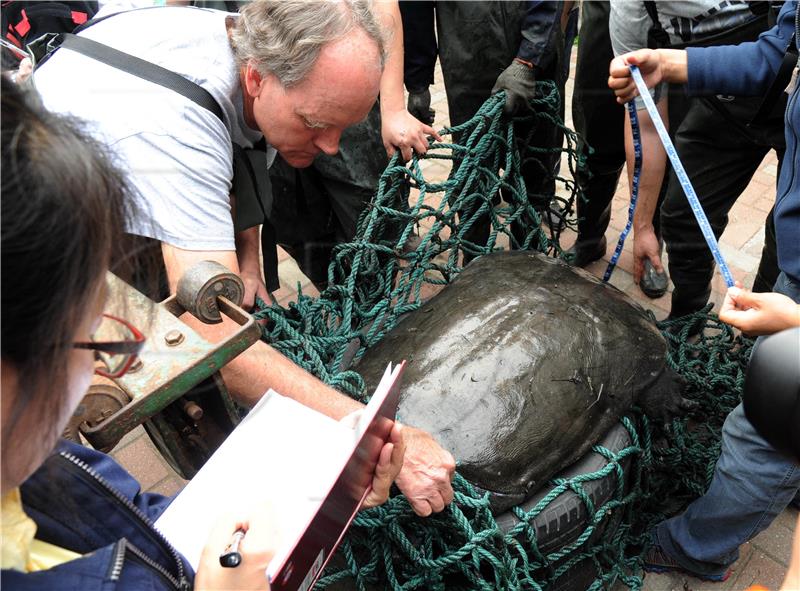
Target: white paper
{"points": [[283, 455]]}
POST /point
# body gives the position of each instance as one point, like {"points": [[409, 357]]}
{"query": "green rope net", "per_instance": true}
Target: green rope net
{"points": [[411, 240]]}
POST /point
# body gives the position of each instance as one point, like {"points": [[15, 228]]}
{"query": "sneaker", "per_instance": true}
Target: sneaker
{"points": [[588, 252], [658, 561], [653, 284]]}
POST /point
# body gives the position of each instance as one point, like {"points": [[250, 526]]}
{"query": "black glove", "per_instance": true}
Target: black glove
{"points": [[520, 85], [419, 105]]}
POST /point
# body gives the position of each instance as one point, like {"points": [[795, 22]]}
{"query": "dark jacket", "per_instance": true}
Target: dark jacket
{"points": [[754, 68], [82, 500]]}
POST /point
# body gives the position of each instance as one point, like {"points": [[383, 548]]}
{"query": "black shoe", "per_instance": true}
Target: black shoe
{"points": [[658, 561], [581, 254], [653, 284]]}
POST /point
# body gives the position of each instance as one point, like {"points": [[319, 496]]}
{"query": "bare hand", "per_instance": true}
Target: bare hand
{"points": [[24, 71], [620, 79], [402, 131], [257, 548], [757, 314], [253, 286], [645, 246], [427, 473]]}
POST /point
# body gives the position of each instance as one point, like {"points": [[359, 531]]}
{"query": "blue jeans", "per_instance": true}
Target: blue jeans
{"points": [[752, 484]]}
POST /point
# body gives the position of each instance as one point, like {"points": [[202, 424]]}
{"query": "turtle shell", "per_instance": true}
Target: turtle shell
{"points": [[518, 367]]}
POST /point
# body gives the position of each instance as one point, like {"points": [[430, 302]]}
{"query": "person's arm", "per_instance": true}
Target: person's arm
{"points": [[399, 128], [744, 69], [758, 314], [654, 160], [248, 254], [535, 53], [427, 468]]}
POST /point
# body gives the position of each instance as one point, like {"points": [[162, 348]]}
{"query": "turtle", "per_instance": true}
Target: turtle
{"points": [[521, 365]]}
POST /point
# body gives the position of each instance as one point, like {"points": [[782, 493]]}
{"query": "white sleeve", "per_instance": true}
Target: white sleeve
{"points": [[628, 25], [182, 187]]}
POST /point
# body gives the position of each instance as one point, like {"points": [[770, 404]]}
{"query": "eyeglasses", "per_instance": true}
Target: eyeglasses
{"points": [[115, 343]]}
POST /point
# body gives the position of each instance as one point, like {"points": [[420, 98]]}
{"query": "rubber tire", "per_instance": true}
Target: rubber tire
{"points": [[565, 518]]}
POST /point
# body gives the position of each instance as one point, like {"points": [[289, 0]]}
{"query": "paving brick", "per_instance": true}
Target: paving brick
{"points": [[775, 542], [169, 486], [759, 570], [738, 235], [142, 460]]}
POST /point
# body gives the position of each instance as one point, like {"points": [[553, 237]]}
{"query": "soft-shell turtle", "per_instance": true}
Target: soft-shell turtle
{"points": [[521, 365]]}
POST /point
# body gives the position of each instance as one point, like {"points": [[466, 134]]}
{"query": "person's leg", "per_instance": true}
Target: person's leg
{"points": [[419, 43], [600, 122], [302, 218], [476, 43], [720, 159], [752, 484]]}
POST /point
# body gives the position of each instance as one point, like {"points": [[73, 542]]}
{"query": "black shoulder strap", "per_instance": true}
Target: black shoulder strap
{"points": [[144, 70], [656, 35]]}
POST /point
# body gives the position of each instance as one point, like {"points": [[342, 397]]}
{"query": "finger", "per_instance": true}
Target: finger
{"points": [[431, 131], [655, 260], [248, 301], [638, 269], [382, 479], [421, 507], [745, 299], [448, 494], [390, 149], [406, 152], [420, 144], [437, 503]]}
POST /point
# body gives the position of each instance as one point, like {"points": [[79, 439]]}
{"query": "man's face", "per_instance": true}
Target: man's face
{"points": [[309, 118]]}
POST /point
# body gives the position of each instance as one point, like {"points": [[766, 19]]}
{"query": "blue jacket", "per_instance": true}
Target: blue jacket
{"points": [[84, 501], [748, 69]]}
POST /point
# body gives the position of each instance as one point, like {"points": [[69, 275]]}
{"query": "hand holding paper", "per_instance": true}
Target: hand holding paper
{"points": [[389, 465]]}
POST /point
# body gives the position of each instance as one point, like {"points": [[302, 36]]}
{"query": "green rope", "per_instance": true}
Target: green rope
{"points": [[377, 277]]}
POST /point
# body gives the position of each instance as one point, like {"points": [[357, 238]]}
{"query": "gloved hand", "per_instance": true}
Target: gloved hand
{"points": [[520, 85], [419, 105]]}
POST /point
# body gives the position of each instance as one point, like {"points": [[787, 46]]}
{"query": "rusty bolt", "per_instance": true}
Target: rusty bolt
{"points": [[174, 338], [193, 410], [218, 286], [137, 365]]}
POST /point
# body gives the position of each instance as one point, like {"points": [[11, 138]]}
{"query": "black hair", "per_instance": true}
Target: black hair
{"points": [[63, 214]]}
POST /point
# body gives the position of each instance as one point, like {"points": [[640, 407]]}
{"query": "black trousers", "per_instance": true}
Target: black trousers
{"points": [[318, 207], [476, 42], [720, 154], [600, 122]]}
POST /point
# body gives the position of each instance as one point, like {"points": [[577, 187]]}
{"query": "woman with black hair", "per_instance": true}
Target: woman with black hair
{"points": [[74, 519]]}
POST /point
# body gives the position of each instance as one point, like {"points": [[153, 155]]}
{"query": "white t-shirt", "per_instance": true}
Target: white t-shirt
{"points": [[177, 155], [684, 21]]}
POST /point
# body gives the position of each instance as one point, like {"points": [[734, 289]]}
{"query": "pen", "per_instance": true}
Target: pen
{"points": [[231, 556]]}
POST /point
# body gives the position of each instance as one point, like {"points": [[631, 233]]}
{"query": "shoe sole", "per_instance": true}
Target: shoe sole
{"points": [[652, 568]]}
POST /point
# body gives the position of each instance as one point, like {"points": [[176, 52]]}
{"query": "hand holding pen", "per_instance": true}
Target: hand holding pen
{"points": [[237, 554]]}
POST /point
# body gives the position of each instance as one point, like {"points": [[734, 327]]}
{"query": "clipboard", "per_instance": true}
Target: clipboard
{"points": [[316, 505]]}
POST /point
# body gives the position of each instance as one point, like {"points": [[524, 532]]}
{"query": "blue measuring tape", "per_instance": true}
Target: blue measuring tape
{"points": [[680, 173]]}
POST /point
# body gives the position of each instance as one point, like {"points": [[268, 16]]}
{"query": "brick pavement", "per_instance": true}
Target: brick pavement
{"points": [[763, 560]]}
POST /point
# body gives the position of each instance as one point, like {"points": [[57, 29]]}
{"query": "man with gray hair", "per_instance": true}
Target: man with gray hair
{"points": [[293, 74]]}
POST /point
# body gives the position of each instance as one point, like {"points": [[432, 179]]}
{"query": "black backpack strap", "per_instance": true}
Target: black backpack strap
{"points": [[144, 70], [251, 183], [656, 35]]}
